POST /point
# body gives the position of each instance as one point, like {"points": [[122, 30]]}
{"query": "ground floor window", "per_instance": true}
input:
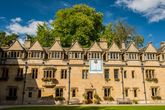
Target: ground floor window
{"points": [[154, 91], [12, 93], [59, 92], [135, 92], [106, 92], [30, 94], [73, 92], [39, 93], [126, 92]]}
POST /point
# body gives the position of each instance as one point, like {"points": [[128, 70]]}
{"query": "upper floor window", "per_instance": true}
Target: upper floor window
{"points": [[150, 74], [116, 74], [56, 55], [4, 74], [106, 73], [64, 74], [49, 73], [125, 74], [150, 56], [84, 74], [133, 74], [113, 56], [20, 72], [34, 73]]}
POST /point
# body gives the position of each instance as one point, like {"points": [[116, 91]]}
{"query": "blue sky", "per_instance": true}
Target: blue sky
{"points": [[147, 16]]}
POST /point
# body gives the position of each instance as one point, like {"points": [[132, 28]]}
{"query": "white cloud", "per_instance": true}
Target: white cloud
{"points": [[1, 17], [17, 28], [17, 19], [154, 10]]}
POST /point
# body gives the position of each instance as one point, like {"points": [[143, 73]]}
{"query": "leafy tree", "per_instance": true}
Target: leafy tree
{"points": [[122, 32], [79, 22], [108, 33], [7, 39], [44, 35]]}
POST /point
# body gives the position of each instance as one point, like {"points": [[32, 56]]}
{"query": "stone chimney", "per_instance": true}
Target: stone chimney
{"points": [[58, 40], [103, 43], [162, 44], [27, 43], [123, 46]]}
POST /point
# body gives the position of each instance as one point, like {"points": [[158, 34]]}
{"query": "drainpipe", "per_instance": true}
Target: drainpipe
{"points": [[69, 71], [144, 84], [122, 82], [24, 83]]}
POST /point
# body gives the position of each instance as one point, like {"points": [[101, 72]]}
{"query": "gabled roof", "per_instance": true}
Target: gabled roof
{"points": [[56, 47], [76, 47], [132, 48], [36, 46], [16, 46], [95, 47], [150, 48], [114, 48]]}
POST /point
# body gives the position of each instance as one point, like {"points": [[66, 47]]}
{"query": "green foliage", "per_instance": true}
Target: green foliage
{"points": [[44, 35], [7, 39], [80, 22], [122, 32]]}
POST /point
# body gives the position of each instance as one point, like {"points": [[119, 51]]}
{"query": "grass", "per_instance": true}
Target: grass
{"points": [[89, 108]]}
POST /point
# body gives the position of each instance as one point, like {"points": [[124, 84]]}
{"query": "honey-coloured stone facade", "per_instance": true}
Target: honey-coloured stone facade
{"points": [[32, 74]]}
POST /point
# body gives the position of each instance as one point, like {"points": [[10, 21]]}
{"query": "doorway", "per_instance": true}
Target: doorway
{"points": [[90, 96]]}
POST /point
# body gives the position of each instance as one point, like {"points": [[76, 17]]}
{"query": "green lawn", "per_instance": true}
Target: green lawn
{"points": [[90, 108]]}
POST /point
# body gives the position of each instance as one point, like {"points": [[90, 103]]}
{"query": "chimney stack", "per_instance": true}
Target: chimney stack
{"points": [[162, 44], [123, 45], [27, 43], [103, 43]]}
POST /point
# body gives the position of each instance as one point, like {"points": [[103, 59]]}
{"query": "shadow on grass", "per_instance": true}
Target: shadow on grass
{"points": [[90, 108]]}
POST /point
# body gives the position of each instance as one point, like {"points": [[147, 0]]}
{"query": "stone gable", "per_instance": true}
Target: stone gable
{"points": [[150, 48], [76, 47], [56, 47], [95, 47], [36, 46], [16, 46], [114, 48], [132, 48]]}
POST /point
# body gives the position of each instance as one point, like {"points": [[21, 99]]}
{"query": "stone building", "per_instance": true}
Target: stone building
{"points": [[30, 73]]}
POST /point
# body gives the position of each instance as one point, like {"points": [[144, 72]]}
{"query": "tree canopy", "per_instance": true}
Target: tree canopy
{"points": [[80, 22], [7, 39], [83, 24]]}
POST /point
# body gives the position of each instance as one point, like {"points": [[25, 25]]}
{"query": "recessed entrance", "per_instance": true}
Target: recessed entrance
{"points": [[90, 96]]}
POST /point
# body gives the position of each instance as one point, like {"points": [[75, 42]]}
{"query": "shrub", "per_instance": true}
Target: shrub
{"points": [[59, 98], [156, 97]]}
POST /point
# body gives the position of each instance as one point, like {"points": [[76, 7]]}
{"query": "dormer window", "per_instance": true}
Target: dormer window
{"points": [[56, 55], [132, 56], [3, 54], [95, 55], [36, 54], [15, 54], [75, 55], [113, 56], [163, 56], [150, 56]]}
